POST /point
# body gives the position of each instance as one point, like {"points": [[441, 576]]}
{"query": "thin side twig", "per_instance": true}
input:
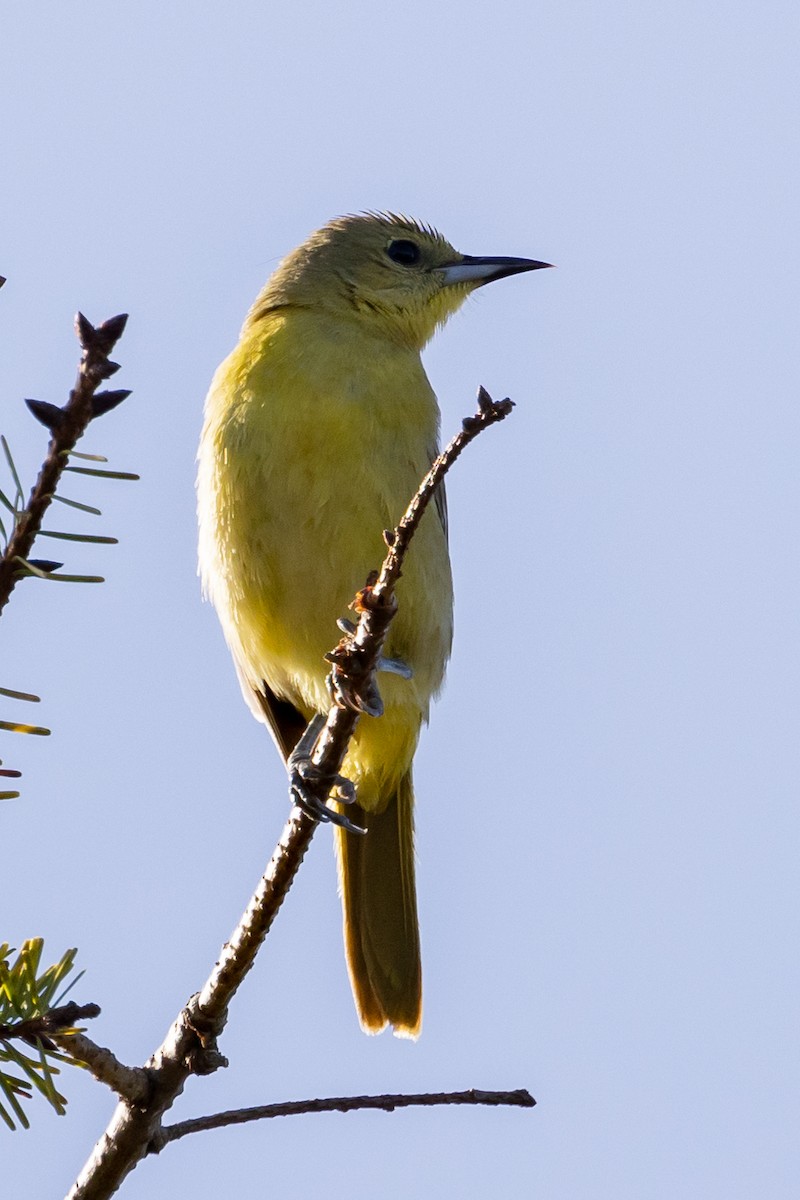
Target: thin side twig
{"points": [[131, 1083], [519, 1098]]}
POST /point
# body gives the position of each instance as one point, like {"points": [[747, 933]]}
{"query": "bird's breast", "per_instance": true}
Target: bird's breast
{"points": [[315, 440]]}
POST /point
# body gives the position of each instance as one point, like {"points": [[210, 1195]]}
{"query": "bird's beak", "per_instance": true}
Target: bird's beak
{"points": [[483, 270]]}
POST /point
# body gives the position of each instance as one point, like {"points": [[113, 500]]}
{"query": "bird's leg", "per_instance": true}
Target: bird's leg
{"points": [[305, 777]]}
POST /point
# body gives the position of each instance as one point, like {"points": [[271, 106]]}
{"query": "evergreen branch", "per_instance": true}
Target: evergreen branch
{"points": [[32, 1017], [54, 1021], [66, 425]]}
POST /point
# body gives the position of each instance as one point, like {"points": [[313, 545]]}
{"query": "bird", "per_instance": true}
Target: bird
{"points": [[317, 430]]}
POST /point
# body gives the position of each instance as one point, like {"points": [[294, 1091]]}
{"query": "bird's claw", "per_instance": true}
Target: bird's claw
{"points": [[305, 778], [302, 788], [366, 698]]}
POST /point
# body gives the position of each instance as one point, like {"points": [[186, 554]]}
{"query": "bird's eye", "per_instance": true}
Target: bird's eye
{"points": [[403, 252]]}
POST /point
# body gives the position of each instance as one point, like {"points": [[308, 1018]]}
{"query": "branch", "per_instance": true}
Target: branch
{"points": [[66, 426], [521, 1098], [131, 1083], [190, 1047]]}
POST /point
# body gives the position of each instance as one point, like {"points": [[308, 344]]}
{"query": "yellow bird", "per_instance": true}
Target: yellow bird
{"points": [[318, 428]]}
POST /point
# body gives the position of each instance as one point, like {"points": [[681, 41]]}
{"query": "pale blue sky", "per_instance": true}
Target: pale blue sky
{"points": [[607, 832]]}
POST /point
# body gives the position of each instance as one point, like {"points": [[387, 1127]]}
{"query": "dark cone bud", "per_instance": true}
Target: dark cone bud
{"points": [[108, 333], [103, 402], [85, 330], [50, 415], [107, 368]]}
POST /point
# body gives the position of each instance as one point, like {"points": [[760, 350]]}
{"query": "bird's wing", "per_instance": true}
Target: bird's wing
{"points": [[285, 723], [281, 717]]}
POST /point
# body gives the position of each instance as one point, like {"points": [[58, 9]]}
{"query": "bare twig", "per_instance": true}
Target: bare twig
{"points": [[521, 1098], [66, 426], [190, 1046], [131, 1083]]}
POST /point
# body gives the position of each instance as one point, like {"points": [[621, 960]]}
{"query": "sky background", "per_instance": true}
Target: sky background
{"points": [[607, 824]]}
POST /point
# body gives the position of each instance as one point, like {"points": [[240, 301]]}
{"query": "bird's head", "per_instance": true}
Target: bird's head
{"points": [[400, 277]]}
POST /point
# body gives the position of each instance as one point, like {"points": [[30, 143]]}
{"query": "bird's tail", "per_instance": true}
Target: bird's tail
{"points": [[381, 931]]}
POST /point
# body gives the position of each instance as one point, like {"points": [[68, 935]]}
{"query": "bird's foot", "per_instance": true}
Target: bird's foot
{"points": [[306, 778], [363, 696]]}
